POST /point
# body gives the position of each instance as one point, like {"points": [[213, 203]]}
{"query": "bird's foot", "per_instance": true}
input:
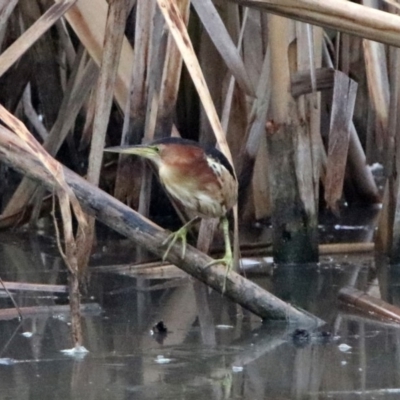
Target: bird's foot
{"points": [[172, 238], [227, 260]]}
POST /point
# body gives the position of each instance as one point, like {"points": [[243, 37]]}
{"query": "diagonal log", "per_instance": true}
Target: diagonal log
{"points": [[145, 233], [369, 304]]}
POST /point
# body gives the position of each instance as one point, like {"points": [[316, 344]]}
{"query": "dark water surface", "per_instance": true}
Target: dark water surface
{"points": [[213, 349]]}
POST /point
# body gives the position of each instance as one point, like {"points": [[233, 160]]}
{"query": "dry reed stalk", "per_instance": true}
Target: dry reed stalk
{"points": [[235, 104], [384, 235], [378, 83], [218, 33], [344, 95], [66, 43], [6, 8], [378, 86], [341, 15], [134, 131], [346, 248], [46, 63], [113, 39], [106, 87], [90, 106], [29, 37], [254, 46], [302, 84], [170, 79], [215, 75], [342, 61], [361, 176], [390, 150], [89, 22], [35, 287], [127, 183], [157, 63], [387, 239], [74, 96], [308, 158], [311, 38], [67, 200], [158, 50], [255, 129], [294, 211], [260, 187], [32, 115], [226, 114]]}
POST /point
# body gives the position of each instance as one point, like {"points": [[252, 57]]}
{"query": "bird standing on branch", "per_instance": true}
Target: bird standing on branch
{"points": [[198, 177]]}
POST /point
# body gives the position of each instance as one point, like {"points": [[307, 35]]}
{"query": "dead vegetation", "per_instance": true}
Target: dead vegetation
{"points": [[300, 95]]}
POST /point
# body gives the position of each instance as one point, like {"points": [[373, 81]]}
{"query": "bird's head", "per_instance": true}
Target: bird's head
{"points": [[151, 152], [166, 151]]}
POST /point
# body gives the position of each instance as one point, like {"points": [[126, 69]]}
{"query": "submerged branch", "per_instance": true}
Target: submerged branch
{"points": [[369, 304]]}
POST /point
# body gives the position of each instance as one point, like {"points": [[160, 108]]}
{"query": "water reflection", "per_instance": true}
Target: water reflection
{"points": [[212, 350]]}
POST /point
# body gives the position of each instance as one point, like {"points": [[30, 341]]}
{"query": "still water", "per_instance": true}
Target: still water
{"points": [[212, 350]]}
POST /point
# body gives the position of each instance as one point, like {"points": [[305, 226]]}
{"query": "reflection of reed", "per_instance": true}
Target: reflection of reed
{"points": [[261, 341], [37, 311]]}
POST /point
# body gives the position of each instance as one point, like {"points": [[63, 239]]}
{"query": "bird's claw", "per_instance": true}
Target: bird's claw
{"points": [[227, 260], [172, 238]]}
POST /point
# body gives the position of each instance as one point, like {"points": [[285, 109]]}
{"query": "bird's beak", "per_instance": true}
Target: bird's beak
{"points": [[140, 150]]}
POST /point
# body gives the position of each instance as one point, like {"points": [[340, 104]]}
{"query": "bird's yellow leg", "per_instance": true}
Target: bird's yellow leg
{"points": [[174, 236], [228, 257]]}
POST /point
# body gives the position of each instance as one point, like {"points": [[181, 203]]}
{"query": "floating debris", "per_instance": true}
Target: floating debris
{"points": [[222, 327], [344, 347], [7, 361], [77, 351], [162, 360]]}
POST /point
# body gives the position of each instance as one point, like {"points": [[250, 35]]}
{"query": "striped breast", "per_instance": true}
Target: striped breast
{"points": [[198, 181]]}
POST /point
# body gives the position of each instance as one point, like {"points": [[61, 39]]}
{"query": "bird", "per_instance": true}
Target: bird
{"points": [[200, 178]]}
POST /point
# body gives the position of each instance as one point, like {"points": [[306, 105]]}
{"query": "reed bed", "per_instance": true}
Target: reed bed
{"points": [[301, 96]]}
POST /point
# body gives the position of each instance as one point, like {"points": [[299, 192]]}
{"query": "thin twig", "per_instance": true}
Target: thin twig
{"points": [[35, 287], [11, 338], [59, 245], [12, 299]]}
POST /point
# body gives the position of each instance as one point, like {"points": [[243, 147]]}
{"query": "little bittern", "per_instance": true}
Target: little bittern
{"points": [[200, 178]]}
